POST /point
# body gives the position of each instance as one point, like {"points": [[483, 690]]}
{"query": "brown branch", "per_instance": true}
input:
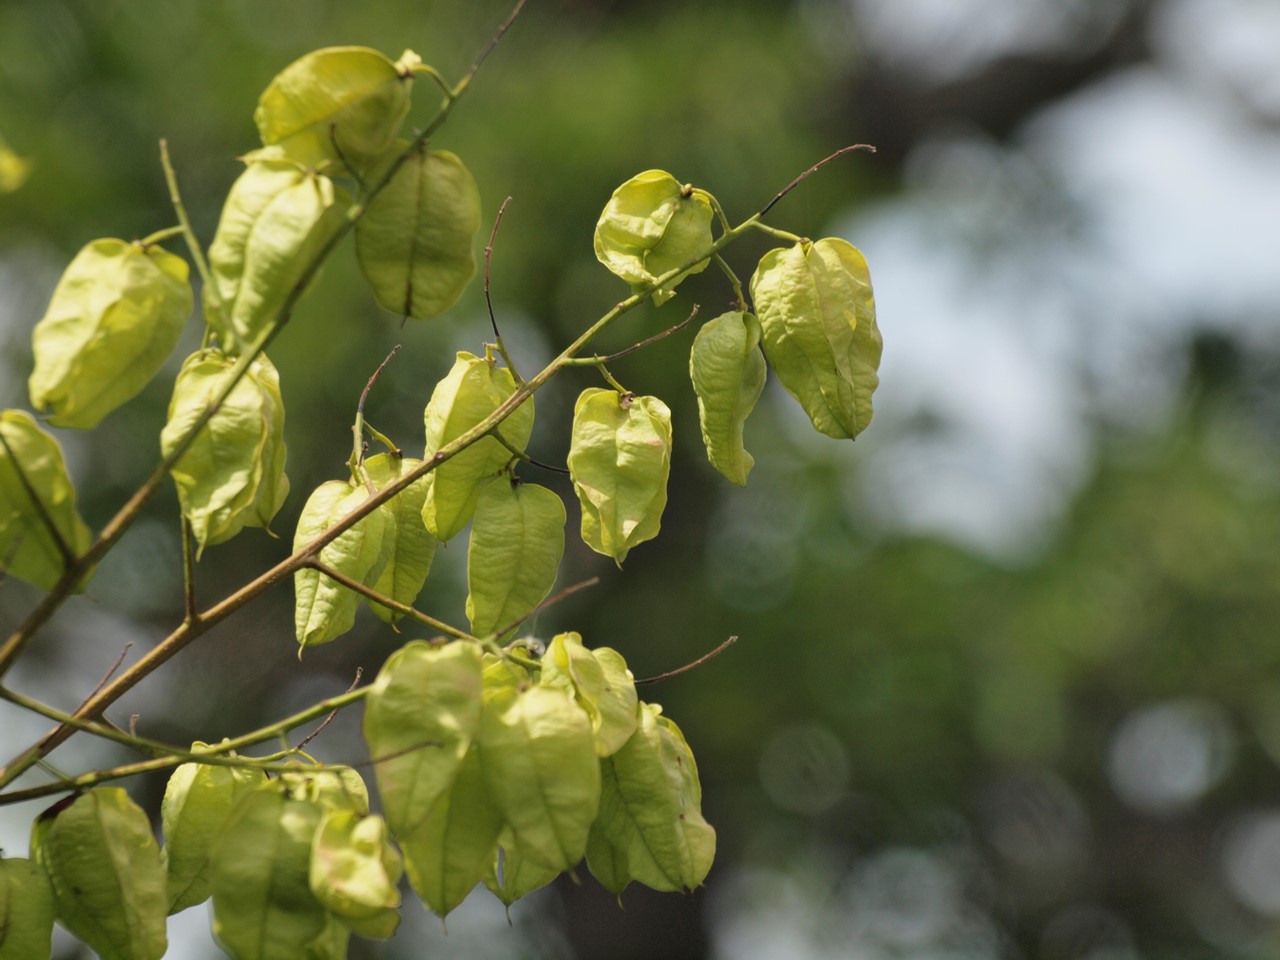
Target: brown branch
{"points": [[812, 170], [590, 361], [690, 666], [329, 719], [364, 394], [385, 601], [550, 601]]}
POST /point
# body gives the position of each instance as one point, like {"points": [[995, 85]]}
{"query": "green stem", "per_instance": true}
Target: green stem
{"points": [[390, 604], [775, 232], [188, 573], [188, 234], [153, 238], [733, 279], [604, 372]]}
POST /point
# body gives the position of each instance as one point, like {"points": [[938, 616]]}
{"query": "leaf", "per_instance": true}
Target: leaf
{"points": [[231, 476], [728, 374], [449, 852], [517, 540], [263, 907], [600, 682], [619, 460], [31, 464], [538, 757], [653, 224], [108, 882], [650, 826], [419, 721], [275, 221], [352, 95], [472, 390], [324, 609], [26, 911], [412, 545], [817, 312], [115, 317], [354, 872], [511, 875], [198, 799], [415, 241]]}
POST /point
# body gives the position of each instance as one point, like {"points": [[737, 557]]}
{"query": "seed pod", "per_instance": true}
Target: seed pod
{"points": [[333, 786], [415, 241], [115, 317], [421, 716], [653, 224], [517, 541], [818, 314], [619, 460], [529, 739], [198, 799], [276, 219], [354, 871], [26, 911], [324, 609], [104, 867], [31, 465], [600, 682], [449, 852], [231, 476], [353, 96], [412, 546], [728, 373], [263, 907], [473, 389], [512, 875], [650, 826]]}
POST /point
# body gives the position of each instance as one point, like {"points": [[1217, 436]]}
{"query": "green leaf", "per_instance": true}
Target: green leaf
{"points": [[352, 95], [517, 540], [412, 545], [324, 609], [472, 390], [512, 875], [653, 224], [419, 721], [538, 757], [818, 315], [449, 852], [355, 872], [31, 464], [415, 241], [108, 882], [263, 907], [619, 460], [600, 682], [276, 219], [232, 475], [198, 799], [650, 825], [115, 317], [26, 911], [728, 373]]}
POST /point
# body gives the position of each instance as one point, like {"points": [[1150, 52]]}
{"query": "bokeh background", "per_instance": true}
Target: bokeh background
{"points": [[1008, 682]]}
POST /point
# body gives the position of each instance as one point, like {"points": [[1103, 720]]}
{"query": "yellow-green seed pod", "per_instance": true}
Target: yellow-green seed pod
{"points": [[412, 545], [275, 221], [601, 683], [728, 373], [107, 877], [354, 872], [818, 314], [416, 240], [333, 786], [529, 739], [325, 609], [232, 475], [517, 541], [650, 827], [26, 911], [263, 907], [473, 389], [198, 800], [115, 317], [619, 460], [353, 97], [34, 485], [651, 225], [512, 875]]}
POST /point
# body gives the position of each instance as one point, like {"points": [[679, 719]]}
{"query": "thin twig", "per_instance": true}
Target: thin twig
{"points": [[395, 754], [593, 361], [68, 555], [812, 170], [690, 666], [329, 719], [484, 54], [357, 428], [550, 601], [488, 254], [386, 601], [521, 455], [107, 676], [188, 574], [188, 234]]}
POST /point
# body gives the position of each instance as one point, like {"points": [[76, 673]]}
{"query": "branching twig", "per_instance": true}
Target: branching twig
{"points": [[597, 360], [690, 666], [329, 719], [550, 601], [812, 170]]}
